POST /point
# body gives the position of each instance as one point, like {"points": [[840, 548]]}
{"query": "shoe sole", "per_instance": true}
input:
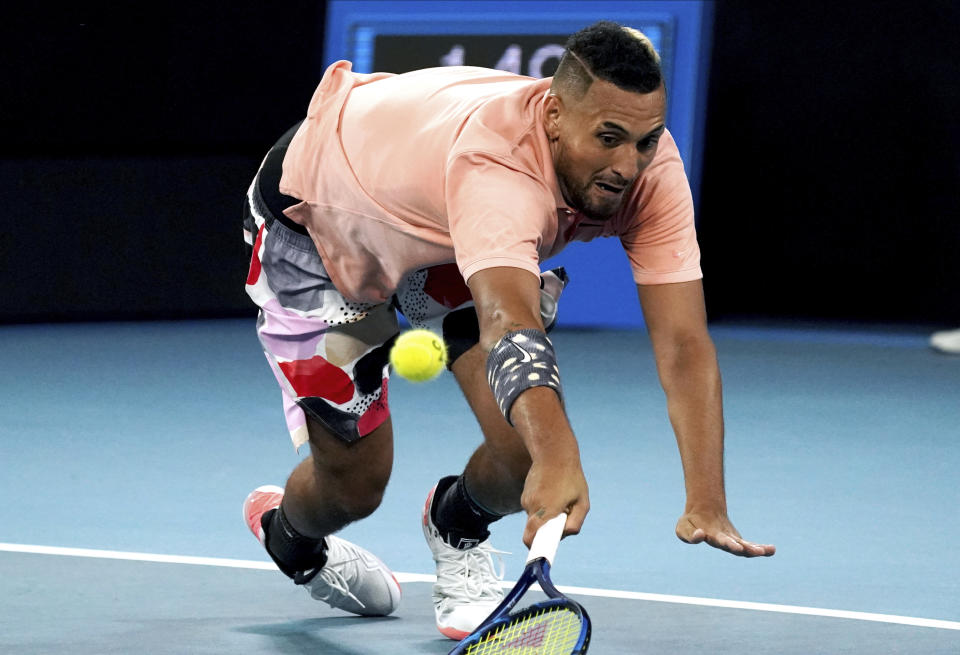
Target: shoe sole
{"points": [[446, 631], [452, 633]]}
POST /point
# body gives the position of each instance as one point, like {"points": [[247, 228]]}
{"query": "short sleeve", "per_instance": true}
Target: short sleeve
{"points": [[499, 215], [661, 240]]}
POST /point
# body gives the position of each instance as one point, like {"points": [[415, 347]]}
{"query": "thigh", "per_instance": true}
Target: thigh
{"points": [[329, 355]]}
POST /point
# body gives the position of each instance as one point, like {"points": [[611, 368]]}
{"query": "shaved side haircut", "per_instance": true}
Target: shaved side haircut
{"points": [[611, 52]]}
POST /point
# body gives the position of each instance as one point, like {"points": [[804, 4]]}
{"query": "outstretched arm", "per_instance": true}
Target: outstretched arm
{"points": [[687, 365], [508, 300]]}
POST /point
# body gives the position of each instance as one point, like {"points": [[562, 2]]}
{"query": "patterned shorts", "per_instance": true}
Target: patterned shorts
{"points": [[330, 355]]}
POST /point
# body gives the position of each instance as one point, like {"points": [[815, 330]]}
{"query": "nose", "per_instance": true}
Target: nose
{"points": [[628, 163]]}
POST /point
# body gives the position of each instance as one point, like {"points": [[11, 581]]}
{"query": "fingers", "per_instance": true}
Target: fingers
{"points": [[576, 514], [758, 550], [535, 521], [725, 540], [550, 490], [736, 545]]}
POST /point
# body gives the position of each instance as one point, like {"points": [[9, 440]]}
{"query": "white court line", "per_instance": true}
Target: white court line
{"points": [[420, 577]]}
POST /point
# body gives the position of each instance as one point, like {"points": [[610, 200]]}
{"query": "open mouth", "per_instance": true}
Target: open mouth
{"points": [[610, 188]]}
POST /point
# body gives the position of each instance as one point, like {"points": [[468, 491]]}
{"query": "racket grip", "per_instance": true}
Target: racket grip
{"points": [[547, 539]]}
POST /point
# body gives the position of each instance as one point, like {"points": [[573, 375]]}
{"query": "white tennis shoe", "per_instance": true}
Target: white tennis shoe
{"points": [[468, 585], [352, 579]]}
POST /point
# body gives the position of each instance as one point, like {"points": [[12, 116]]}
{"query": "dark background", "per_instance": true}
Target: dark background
{"points": [[128, 137]]}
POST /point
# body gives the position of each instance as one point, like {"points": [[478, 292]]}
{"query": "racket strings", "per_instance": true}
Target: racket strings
{"points": [[549, 631]]}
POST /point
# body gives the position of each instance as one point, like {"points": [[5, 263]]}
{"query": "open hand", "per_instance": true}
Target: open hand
{"points": [[718, 531]]}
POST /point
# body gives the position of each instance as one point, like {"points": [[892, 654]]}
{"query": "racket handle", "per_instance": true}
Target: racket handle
{"points": [[547, 539]]}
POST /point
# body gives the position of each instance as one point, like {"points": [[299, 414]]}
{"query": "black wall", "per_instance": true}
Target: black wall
{"points": [[832, 175], [127, 141], [129, 137]]}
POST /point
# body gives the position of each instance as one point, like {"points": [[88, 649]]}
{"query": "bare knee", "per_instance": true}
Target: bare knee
{"points": [[353, 494], [352, 477]]}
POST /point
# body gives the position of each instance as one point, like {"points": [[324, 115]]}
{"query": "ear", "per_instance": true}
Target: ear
{"points": [[552, 109]]}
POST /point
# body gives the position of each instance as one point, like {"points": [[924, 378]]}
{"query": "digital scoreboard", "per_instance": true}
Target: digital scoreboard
{"points": [[526, 37]]}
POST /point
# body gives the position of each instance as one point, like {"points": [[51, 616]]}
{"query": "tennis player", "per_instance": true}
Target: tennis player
{"points": [[438, 193]]}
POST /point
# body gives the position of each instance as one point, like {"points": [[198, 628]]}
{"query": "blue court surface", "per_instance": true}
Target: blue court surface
{"points": [[128, 448]]}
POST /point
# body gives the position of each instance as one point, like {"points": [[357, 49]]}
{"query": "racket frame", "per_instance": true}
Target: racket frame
{"points": [[537, 571]]}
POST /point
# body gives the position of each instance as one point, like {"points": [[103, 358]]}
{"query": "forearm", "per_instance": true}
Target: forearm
{"points": [[691, 380], [522, 373], [537, 413], [539, 419], [687, 364]]}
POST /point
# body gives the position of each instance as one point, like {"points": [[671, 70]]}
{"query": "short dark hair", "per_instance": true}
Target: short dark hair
{"points": [[611, 52]]}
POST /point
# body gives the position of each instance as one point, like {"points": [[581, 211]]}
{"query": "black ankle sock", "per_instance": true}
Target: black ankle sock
{"points": [[292, 552], [460, 519]]}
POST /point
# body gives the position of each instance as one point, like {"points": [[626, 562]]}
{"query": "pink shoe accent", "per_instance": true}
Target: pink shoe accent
{"points": [[426, 506], [261, 500], [453, 633]]}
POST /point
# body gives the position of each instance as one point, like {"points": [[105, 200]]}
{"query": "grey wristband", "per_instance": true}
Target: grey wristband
{"points": [[520, 360]]}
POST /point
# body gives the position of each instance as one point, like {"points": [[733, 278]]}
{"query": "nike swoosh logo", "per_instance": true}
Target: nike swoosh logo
{"points": [[524, 355]]}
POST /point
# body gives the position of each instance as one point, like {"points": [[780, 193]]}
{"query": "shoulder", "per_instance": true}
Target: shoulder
{"points": [[505, 121]]}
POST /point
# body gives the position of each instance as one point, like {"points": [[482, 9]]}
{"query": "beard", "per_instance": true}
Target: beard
{"points": [[582, 195]]}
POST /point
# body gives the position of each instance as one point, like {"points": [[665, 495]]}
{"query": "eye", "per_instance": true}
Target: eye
{"points": [[608, 140], [648, 144]]}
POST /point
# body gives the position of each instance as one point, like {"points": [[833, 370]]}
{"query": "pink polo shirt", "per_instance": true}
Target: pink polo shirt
{"points": [[401, 172]]}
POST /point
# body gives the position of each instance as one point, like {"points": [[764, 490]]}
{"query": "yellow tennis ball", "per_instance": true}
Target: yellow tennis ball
{"points": [[418, 355]]}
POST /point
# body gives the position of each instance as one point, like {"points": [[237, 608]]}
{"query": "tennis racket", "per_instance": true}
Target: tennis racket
{"points": [[556, 626]]}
